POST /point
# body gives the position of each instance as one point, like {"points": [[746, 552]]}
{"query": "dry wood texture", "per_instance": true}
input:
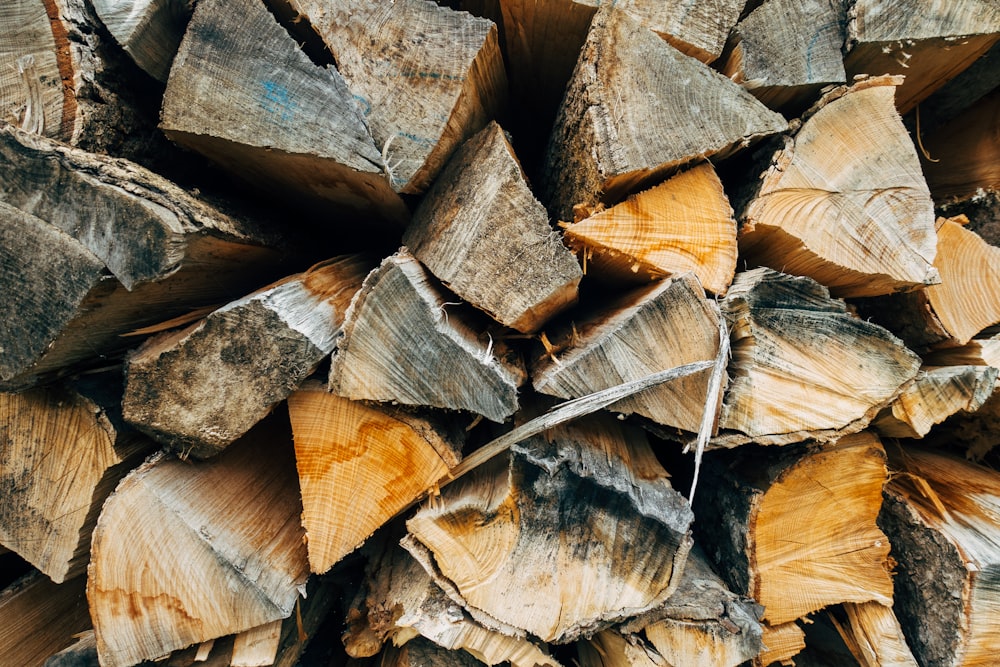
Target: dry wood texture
{"points": [[874, 636], [150, 31], [40, 618]]}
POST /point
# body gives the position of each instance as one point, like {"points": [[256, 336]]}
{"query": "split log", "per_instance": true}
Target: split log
{"points": [[40, 618], [426, 78], [982, 210], [359, 466], [782, 643], [422, 653], [401, 602], [483, 234], [199, 389], [785, 51], [940, 513], [584, 519], [759, 524], [960, 93], [115, 248], [802, 367], [928, 47], [150, 31], [63, 448], [844, 201], [937, 393], [255, 104], [184, 552], [683, 224], [82, 653], [401, 344], [637, 109], [873, 635]]}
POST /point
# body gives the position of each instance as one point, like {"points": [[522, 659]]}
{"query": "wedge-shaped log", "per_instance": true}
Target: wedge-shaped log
{"points": [[400, 602], [63, 448], [759, 520], [425, 77], [844, 201], [401, 343], [40, 618], [635, 110], [94, 248], [255, 104], [929, 44], [941, 515], [785, 51], [873, 635], [653, 328], [359, 465], [937, 393], [481, 231], [802, 366], [684, 224], [574, 532], [185, 552], [199, 389], [150, 31]]}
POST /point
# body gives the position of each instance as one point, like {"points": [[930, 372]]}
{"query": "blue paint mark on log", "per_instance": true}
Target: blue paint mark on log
{"points": [[277, 100]]}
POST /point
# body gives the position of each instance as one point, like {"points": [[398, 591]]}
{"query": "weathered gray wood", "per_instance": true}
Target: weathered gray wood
{"points": [[424, 77], [95, 248], [150, 31], [663, 325], [802, 367], [481, 232], [199, 389], [255, 104], [636, 109], [583, 521], [405, 341]]}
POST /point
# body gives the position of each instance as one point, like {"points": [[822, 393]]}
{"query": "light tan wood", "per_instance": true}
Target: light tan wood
{"points": [[684, 224], [941, 514], [635, 110], [507, 544], [256, 105], [199, 389], [656, 327], [873, 636], [63, 448], [185, 552], [150, 31], [403, 334], [257, 647], [424, 77], [40, 618], [803, 367], [929, 43], [481, 231], [360, 465], [844, 201], [783, 643]]}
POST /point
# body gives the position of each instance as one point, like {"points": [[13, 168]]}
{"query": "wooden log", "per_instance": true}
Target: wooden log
{"points": [[782, 643], [802, 367], [585, 519], [184, 552], [940, 513], [63, 448], [683, 224], [401, 344], [937, 393], [425, 77], [983, 212], [359, 466], [660, 326], [199, 389], [422, 653], [481, 232], [150, 31], [255, 104], [861, 223], [758, 524], [637, 109], [82, 653], [785, 51], [40, 618], [400, 602], [929, 47], [960, 93], [873, 635], [133, 250]]}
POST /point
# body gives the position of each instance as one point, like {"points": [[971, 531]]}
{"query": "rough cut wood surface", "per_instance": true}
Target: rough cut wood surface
{"points": [[683, 224], [150, 31], [40, 618], [782, 643], [844, 201], [874, 636], [481, 231], [200, 388]]}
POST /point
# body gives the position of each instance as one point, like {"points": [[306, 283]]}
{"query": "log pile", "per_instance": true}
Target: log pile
{"points": [[631, 334]]}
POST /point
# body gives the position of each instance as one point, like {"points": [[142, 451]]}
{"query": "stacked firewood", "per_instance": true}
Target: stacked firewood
{"points": [[645, 333]]}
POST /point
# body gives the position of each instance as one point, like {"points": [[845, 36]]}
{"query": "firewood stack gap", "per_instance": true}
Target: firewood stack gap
{"points": [[643, 333]]}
